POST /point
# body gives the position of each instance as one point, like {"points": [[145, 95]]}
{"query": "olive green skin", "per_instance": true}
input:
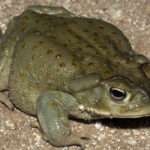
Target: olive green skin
{"points": [[53, 54]]}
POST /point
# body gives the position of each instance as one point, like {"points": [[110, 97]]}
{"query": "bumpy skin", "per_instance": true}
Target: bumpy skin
{"points": [[57, 65]]}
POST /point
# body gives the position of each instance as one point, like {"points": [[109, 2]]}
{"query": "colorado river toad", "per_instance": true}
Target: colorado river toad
{"points": [[56, 65]]}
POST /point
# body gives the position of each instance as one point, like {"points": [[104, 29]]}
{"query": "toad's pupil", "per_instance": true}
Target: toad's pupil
{"points": [[117, 94]]}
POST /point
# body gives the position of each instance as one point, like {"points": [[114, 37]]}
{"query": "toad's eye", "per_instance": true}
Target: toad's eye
{"points": [[118, 94]]}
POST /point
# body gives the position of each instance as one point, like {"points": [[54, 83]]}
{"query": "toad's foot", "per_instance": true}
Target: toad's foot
{"points": [[85, 138], [0, 34], [5, 100], [53, 109]]}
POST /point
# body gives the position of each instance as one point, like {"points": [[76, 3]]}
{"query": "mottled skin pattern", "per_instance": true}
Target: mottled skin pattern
{"points": [[55, 65]]}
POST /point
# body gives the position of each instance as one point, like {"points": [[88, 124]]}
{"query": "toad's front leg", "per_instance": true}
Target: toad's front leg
{"points": [[53, 109]]}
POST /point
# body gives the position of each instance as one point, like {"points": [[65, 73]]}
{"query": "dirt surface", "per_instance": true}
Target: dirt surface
{"points": [[133, 18]]}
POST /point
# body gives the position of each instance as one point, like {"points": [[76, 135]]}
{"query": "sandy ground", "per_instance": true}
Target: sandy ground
{"points": [[133, 18]]}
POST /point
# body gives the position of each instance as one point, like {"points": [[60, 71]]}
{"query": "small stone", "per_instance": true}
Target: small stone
{"points": [[131, 141], [98, 126], [10, 125]]}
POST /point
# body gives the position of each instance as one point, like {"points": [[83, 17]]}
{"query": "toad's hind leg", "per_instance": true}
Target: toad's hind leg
{"points": [[4, 78], [53, 109], [59, 11]]}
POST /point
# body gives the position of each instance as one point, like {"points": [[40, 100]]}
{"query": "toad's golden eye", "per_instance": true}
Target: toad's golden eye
{"points": [[118, 94]]}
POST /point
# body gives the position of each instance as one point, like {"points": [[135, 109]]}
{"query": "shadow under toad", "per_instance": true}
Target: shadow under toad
{"points": [[134, 123]]}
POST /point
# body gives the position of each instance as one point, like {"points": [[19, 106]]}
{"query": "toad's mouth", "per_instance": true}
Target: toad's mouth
{"points": [[137, 113]]}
